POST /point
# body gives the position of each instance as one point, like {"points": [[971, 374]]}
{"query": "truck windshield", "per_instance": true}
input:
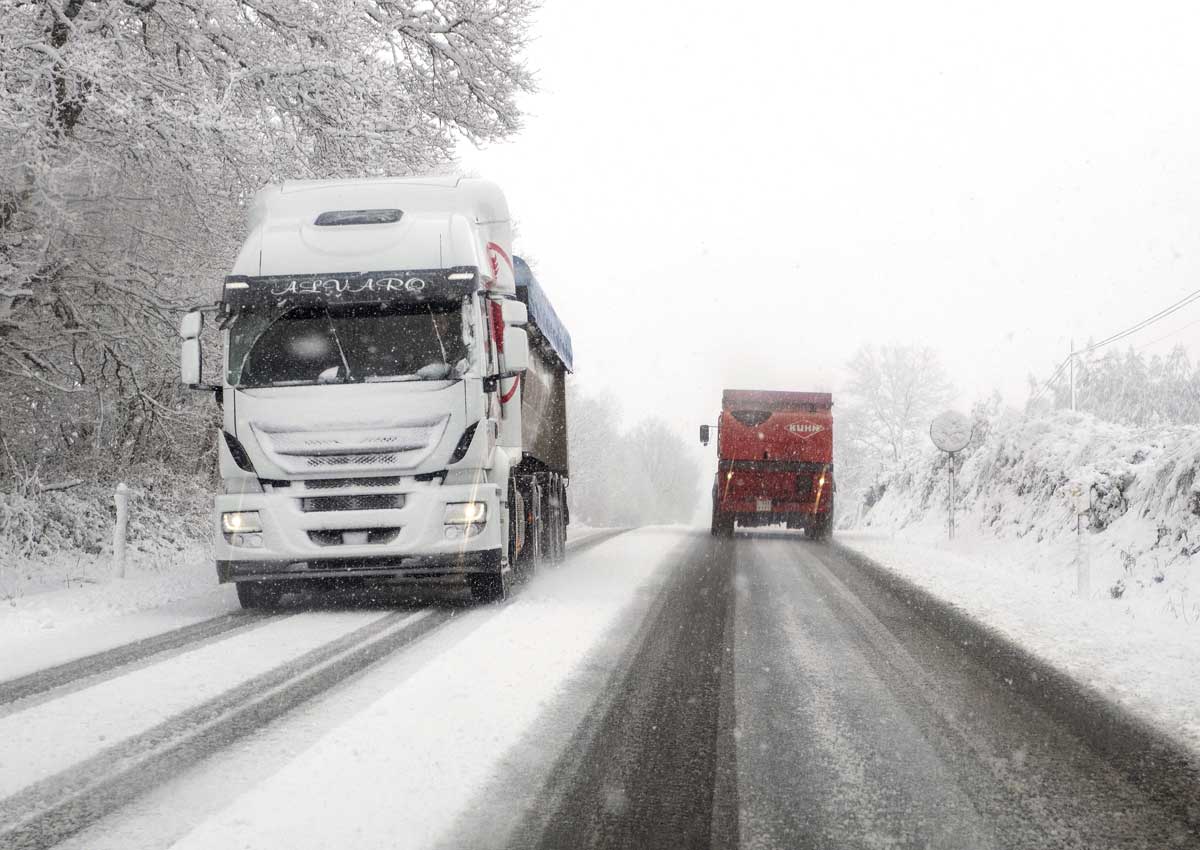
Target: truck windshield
{"points": [[323, 344]]}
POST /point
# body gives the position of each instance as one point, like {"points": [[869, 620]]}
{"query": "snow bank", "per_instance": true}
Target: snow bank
{"points": [[88, 594], [1131, 628]]}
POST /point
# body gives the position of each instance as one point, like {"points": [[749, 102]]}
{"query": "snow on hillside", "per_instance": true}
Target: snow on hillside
{"points": [[1134, 632]]}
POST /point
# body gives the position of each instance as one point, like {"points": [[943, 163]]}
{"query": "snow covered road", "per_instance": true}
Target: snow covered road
{"points": [[660, 688]]}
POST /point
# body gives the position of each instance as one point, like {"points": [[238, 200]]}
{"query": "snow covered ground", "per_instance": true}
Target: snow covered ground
{"points": [[429, 726], [41, 629], [1134, 630]]}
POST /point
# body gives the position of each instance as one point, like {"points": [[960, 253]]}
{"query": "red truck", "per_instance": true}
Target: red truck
{"points": [[774, 461]]}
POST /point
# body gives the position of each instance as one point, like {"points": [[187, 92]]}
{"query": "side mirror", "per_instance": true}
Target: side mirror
{"points": [[514, 312], [190, 364], [191, 325], [516, 351], [704, 435]]}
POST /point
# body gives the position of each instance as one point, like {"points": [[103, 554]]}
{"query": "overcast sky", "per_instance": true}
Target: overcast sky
{"points": [[721, 195]]}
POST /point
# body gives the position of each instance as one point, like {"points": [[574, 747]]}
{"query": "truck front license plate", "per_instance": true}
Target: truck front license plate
{"points": [[764, 506]]}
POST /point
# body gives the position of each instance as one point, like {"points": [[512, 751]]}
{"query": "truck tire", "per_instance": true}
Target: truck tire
{"points": [[259, 594], [535, 531], [553, 514], [722, 524], [516, 515], [560, 523], [820, 530], [490, 587]]}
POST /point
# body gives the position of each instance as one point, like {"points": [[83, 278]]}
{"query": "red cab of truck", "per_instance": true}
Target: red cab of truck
{"points": [[774, 461]]}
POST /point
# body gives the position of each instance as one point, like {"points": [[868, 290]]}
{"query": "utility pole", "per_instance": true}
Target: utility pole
{"points": [[1072, 358]]}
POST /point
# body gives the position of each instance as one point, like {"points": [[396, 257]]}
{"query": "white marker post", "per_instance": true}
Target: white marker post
{"points": [[1081, 498], [121, 497], [951, 432]]}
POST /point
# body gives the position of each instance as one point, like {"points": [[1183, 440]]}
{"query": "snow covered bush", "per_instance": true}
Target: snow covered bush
{"points": [[1017, 481]]}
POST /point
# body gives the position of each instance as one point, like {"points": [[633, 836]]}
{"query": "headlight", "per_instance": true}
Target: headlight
{"points": [[465, 513], [237, 522]]}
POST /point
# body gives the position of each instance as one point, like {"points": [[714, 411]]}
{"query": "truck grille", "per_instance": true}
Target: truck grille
{"points": [[372, 502], [337, 483], [349, 460], [348, 450]]}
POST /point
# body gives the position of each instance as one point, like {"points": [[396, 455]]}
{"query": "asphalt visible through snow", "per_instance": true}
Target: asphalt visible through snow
{"points": [[782, 698]]}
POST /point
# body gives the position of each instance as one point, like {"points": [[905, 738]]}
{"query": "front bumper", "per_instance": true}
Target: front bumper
{"points": [[408, 541]]}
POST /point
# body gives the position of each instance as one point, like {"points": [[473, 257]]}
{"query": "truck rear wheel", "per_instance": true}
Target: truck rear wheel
{"points": [[820, 529], [535, 522], [722, 524], [558, 522], [259, 594]]}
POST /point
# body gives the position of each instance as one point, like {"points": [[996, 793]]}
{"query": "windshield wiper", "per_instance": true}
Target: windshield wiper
{"points": [[338, 342], [381, 379]]}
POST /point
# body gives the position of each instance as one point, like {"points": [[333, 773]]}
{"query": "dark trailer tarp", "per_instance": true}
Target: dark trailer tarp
{"points": [[544, 396], [541, 313]]}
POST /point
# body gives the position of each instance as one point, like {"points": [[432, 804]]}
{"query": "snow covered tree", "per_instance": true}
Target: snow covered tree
{"points": [[666, 463], [1128, 388], [647, 474], [132, 132], [895, 391]]}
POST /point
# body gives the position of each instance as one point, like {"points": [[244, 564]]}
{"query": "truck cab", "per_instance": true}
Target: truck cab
{"points": [[774, 461], [393, 400]]}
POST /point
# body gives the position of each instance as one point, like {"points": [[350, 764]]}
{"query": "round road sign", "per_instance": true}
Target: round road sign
{"points": [[951, 431]]}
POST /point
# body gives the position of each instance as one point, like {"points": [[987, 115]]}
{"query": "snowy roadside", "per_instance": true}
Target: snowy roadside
{"points": [[1141, 650], [577, 532], [38, 630]]}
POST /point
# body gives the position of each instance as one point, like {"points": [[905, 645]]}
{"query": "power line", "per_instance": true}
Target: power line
{"points": [[1119, 335], [1145, 323], [1051, 379], [1144, 346]]}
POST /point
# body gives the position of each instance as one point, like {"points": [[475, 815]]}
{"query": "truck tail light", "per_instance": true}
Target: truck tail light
{"points": [[497, 325]]}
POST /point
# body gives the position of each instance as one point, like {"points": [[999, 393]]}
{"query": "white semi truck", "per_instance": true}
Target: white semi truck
{"points": [[392, 392]]}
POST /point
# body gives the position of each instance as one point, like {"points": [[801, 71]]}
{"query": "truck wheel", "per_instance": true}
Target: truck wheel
{"points": [[549, 531], [722, 525], [563, 520], [515, 515], [535, 529], [820, 530], [259, 594], [560, 524], [490, 587]]}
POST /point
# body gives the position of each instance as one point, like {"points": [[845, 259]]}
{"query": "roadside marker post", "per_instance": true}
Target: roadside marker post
{"points": [[121, 497], [1081, 504]]}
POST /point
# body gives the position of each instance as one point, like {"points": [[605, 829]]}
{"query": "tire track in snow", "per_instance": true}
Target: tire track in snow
{"points": [[90, 666], [50, 811]]}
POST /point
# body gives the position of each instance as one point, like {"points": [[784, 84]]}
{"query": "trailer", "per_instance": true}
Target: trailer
{"points": [[392, 392], [774, 461]]}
